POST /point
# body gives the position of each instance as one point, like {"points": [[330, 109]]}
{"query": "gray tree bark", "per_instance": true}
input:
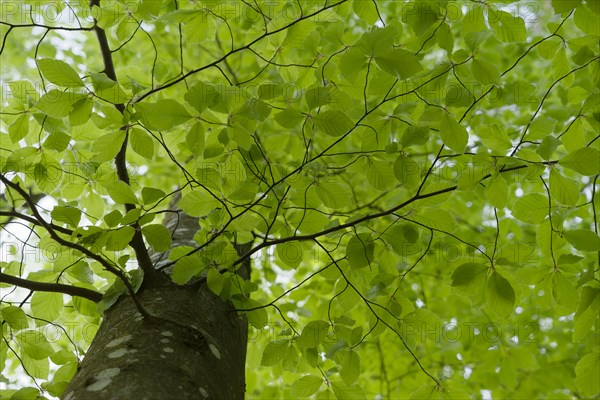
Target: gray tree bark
{"points": [[193, 346]]}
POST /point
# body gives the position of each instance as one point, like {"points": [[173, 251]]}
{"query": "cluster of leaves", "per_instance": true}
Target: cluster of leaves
{"points": [[419, 180]]}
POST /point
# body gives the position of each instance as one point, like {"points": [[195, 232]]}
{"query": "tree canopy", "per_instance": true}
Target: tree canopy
{"points": [[416, 183]]}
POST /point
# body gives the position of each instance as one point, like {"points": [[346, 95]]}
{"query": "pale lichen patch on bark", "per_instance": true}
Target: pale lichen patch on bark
{"points": [[118, 341], [70, 396], [214, 350], [120, 353], [117, 353], [203, 392], [103, 379]]}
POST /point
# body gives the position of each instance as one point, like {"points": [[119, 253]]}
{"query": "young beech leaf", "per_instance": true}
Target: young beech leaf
{"points": [[583, 240], [120, 192], [500, 295], [586, 161], [407, 171], [359, 250], [158, 236], [306, 386], [563, 190], [587, 372], [470, 279], [273, 353], [531, 208], [59, 72], [15, 317], [350, 368], [453, 134]]}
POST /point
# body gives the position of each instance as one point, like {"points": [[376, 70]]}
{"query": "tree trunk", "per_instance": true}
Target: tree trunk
{"points": [[193, 346]]}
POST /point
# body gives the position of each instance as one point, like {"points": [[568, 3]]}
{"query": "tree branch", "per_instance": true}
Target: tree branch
{"points": [[107, 265], [137, 242], [236, 50], [364, 218], [89, 294], [15, 214]]}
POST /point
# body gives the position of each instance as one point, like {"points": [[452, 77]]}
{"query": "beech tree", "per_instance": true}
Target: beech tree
{"points": [[288, 199]]}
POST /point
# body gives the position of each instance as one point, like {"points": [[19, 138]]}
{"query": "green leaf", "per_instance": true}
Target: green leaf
{"points": [[485, 72], [564, 293], [57, 104], [62, 357], [186, 268], [107, 146], [162, 115], [587, 372], [15, 317], [583, 240], [587, 21], [563, 190], [400, 63], [120, 192], [436, 218], [256, 109], [313, 334], [259, 318], [494, 137], [34, 344], [365, 10], [46, 305], [269, 91], [470, 279], [152, 195], [69, 215], [273, 353], [342, 392], [445, 38], [290, 253], [564, 6], [203, 95], [547, 147], [318, 96], [380, 173], [35, 368], [359, 250], [306, 386], [453, 134], [198, 203], [141, 143], [410, 233], [19, 129], [586, 161], [47, 173], [350, 368], [158, 236], [196, 139], [57, 141], [59, 72], [132, 216], [407, 171], [507, 27], [531, 208], [500, 295], [26, 393], [332, 195], [496, 191], [333, 122], [119, 239]]}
